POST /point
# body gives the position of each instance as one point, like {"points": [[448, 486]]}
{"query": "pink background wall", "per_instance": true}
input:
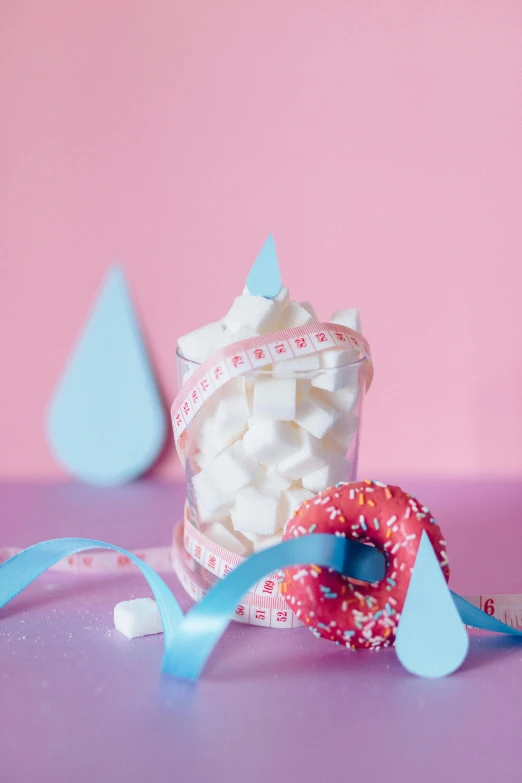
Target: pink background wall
{"points": [[379, 141]]}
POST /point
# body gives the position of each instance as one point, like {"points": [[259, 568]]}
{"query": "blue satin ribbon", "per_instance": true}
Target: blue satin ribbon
{"points": [[189, 639]]}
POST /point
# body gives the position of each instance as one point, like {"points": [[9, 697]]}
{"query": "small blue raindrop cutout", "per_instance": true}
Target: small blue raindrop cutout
{"points": [[106, 423], [432, 640], [264, 279]]}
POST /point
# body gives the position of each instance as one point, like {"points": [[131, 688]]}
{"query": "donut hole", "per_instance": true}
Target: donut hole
{"points": [[370, 542]]}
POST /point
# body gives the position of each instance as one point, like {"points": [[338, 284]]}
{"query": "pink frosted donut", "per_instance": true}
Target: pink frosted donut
{"points": [[335, 607]]}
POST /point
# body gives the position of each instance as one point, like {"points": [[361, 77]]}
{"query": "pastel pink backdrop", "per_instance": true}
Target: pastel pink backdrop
{"points": [[378, 141]]}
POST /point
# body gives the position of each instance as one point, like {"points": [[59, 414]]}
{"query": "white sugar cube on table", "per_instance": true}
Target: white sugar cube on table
{"points": [[335, 470], [256, 511], [233, 469], [200, 344], [309, 457], [269, 441], [275, 398], [137, 617], [315, 415]]}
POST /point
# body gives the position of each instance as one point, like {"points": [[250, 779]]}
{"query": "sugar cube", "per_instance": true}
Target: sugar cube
{"points": [[298, 364], [309, 457], [252, 537], [241, 333], [202, 459], [273, 480], [255, 312], [309, 309], [303, 386], [138, 617], [256, 511], [222, 420], [349, 317], [294, 315], [337, 377], [265, 542], [203, 342], [342, 433], [338, 357], [315, 415], [233, 469], [259, 542], [212, 502], [336, 469], [232, 412], [274, 398], [345, 400], [249, 394], [203, 432], [223, 534], [282, 297], [269, 441], [291, 500]]}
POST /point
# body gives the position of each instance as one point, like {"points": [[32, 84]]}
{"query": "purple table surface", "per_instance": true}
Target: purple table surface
{"points": [[79, 702]]}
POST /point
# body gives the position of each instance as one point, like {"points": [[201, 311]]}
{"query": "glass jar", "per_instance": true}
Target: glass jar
{"points": [[324, 429]]}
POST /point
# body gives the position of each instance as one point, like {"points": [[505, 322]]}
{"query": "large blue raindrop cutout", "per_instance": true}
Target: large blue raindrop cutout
{"points": [[431, 638], [106, 423], [264, 279]]}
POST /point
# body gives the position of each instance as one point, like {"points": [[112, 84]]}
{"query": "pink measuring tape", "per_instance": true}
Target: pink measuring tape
{"points": [[159, 558], [262, 605]]}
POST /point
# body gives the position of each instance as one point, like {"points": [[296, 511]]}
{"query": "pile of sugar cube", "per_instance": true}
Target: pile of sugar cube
{"points": [[264, 443]]}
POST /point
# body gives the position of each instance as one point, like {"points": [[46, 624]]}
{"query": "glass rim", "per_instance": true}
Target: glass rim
{"points": [[290, 374]]}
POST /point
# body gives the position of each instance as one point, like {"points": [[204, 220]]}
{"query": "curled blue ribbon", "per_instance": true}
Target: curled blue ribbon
{"points": [[189, 639]]}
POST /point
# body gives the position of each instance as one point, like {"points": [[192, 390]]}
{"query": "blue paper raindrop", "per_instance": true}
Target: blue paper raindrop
{"points": [[264, 279], [431, 638], [106, 423]]}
